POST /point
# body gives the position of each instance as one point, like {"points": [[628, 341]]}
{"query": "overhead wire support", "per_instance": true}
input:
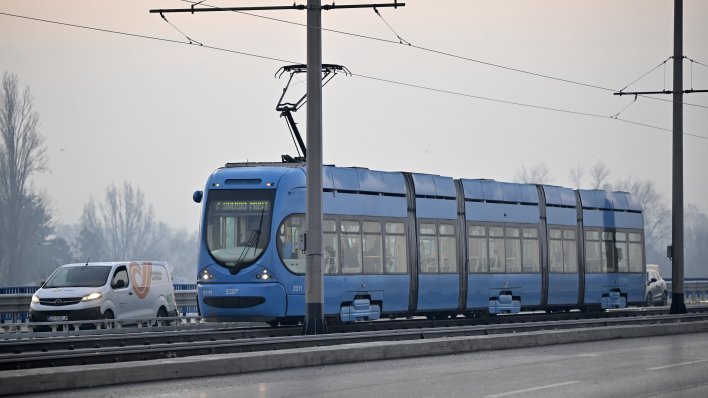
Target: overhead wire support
{"points": [[294, 6], [314, 322]]}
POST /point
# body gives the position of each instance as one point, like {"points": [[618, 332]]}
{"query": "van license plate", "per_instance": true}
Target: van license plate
{"points": [[57, 318]]}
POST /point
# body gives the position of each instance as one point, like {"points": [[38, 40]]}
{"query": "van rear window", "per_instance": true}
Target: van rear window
{"points": [[86, 276]]}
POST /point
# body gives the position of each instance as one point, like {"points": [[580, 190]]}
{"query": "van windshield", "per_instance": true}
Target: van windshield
{"points": [[82, 276]]}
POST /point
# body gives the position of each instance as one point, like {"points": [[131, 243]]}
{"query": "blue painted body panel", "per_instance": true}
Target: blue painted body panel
{"points": [[563, 289], [501, 212], [438, 291], [396, 293], [561, 216]]}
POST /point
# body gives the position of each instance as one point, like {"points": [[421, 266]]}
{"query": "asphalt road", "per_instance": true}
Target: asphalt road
{"points": [[667, 366]]}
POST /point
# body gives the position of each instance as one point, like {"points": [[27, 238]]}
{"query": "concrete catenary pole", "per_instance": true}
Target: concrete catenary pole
{"points": [[314, 286]]}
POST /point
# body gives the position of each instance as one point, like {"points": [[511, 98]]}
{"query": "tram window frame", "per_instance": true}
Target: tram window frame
{"points": [[351, 256], [496, 266], [296, 256], [392, 237], [447, 240], [635, 242], [512, 249], [611, 260], [478, 264], [562, 239], [530, 267], [555, 249], [330, 246], [372, 256], [570, 262], [621, 253], [593, 247], [428, 242]]}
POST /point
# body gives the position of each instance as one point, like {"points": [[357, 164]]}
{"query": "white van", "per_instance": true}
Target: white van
{"points": [[105, 290]]}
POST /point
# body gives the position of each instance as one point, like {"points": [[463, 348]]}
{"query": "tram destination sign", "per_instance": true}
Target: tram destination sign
{"points": [[242, 206]]}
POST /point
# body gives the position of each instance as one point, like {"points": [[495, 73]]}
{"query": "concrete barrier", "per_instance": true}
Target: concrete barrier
{"points": [[69, 377]]}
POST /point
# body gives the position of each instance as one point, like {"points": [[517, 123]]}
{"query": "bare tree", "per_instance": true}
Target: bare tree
{"points": [[576, 176], [657, 218], [123, 227], [534, 174], [25, 218], [599, 177]]}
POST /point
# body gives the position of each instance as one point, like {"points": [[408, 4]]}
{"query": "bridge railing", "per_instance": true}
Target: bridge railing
{"points": [[15, 301], [695, 290]]}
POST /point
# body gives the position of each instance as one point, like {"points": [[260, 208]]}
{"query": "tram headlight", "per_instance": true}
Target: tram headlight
{"points": [[264, 275], [206, 275]]}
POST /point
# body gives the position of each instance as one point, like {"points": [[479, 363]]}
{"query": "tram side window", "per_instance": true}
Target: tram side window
{"points": [[570, 251], [428, 247], [288, 248], [373, 263], [593, 253], [350, 243], [513, 250], [330, 257], [496, 249], [636, 254], [555, 250], [395, 248], [563, 253], [621, 252], [448, 249], [608, 257], [477, 248], [530, 250]]}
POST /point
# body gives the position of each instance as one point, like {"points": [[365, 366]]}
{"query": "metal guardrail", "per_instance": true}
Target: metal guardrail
{"points": [[695, 290], [15, 301]]}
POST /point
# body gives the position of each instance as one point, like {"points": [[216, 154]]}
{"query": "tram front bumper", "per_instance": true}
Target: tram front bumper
{"points": [[241, 301]]}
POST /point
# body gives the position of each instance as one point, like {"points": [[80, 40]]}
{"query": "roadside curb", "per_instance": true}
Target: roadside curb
{"points": [[70, 377]]}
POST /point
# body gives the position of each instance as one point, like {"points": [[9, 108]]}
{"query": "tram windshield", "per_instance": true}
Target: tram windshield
{"points": [[238, 226]]}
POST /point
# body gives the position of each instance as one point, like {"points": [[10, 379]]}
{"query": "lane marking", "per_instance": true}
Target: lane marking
{"points": [[678, 364], [504, 394]]}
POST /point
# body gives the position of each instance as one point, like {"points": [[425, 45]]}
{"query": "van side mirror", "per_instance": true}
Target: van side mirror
{"points": [[197, 196], [653, 280], [120, 283]]}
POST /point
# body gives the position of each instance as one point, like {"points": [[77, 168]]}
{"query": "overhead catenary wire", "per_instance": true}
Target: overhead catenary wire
{"points": [[443, 53], [373, 78]]}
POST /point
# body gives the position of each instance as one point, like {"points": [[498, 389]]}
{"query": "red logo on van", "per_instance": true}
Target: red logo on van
{"points": [[141, 275]]}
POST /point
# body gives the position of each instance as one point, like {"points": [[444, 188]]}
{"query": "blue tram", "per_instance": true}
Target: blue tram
{"points": [[401, 244]]}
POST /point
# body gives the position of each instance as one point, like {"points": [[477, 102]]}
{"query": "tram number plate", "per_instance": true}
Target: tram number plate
{"points": [[57, 318]]}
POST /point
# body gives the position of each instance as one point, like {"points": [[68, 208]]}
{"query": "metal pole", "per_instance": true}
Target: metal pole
{"points": [[677, 304], [314, 297]]}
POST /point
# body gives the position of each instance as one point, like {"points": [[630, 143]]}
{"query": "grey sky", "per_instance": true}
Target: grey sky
{"points": [[163, 116]]}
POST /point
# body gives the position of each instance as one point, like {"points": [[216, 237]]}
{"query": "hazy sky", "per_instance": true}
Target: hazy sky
{"points": [[115, 108]]}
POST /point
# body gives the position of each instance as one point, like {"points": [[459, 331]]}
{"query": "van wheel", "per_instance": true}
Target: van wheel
{"points": [[648, 301], [108, 315], [162, 313]]}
